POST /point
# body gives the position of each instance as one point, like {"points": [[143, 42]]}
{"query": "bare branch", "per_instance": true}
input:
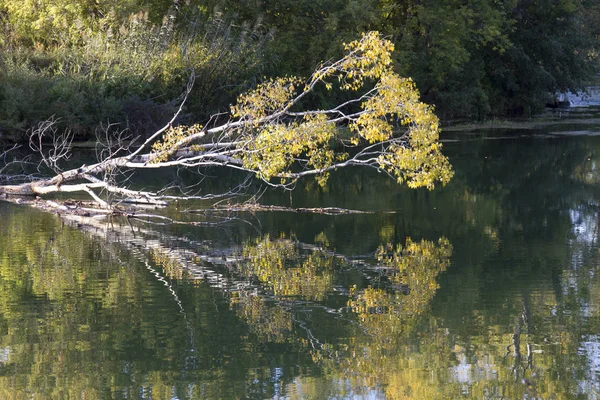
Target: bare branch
{"points": [[59, 147], [15, 170]]}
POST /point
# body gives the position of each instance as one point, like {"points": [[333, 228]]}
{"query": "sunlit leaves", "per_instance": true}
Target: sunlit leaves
{"points": [[171, 140], [417, 160], [269, 97], [368, 58], [396, 99], [275, 144], [63, 21]]}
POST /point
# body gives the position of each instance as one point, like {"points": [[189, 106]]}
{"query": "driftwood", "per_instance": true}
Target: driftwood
{"points": [[70, 207], [147, 213], [254, 207]]}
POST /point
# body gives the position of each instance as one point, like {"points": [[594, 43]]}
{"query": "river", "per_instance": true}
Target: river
{"points": [[486, 288]]}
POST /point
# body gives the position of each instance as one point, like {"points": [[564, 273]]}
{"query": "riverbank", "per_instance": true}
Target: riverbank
{"points": [[578, 118]]}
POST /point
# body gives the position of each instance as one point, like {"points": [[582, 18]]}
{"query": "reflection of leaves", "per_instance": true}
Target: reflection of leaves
{"points": [[286, 273], [413, 271], [269, 322], [388, 315], [172, 267], [386, 312], [278, 264]]}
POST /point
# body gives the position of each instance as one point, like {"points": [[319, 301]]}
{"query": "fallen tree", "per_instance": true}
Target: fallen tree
{"points": [[270, 135]]}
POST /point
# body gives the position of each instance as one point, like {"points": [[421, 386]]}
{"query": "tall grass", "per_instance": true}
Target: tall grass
{"points": [[131, 76]]}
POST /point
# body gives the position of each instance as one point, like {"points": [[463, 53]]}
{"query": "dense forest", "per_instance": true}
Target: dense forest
{"points": [[106, 66]]}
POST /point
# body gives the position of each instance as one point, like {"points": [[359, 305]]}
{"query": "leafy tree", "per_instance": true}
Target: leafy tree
{"points": [[271, 136], [304, 32]]}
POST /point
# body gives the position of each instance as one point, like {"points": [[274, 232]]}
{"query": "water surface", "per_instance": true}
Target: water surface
{"points": [[487, 288]]}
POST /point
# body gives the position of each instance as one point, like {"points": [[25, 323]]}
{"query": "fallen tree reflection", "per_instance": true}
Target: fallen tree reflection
{"points": [[157, 311]]}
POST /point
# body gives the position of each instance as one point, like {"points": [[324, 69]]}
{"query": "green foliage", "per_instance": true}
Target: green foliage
{"points": [[62, 22], [483, 57], [306, 32], [90, 62], [118, 65], [471, 58]]}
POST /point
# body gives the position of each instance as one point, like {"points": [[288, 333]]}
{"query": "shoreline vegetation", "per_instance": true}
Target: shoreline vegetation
{"points": [[535, 122], [101, 69]]}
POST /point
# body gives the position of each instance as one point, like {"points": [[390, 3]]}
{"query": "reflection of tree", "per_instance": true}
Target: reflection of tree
{"points": [[270, 322], [287, 278], [81, 318], [412, 269], [278, 265], [383, 313], [388, 315]]}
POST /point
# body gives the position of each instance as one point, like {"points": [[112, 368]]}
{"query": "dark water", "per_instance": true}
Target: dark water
{"points": [[487, 288]]}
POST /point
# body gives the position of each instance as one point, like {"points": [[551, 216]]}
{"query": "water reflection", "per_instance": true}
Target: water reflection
{"points": [[139, 313], [487, 288]]}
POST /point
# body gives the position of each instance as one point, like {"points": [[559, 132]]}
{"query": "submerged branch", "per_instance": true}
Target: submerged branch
{"points": [[254, 207]]}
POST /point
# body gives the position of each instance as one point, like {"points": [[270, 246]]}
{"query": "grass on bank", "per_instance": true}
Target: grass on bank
{"points": [[132, 78]]}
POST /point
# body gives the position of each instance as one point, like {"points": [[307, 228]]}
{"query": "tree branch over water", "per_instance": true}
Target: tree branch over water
{"points": [[269, 134]]}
